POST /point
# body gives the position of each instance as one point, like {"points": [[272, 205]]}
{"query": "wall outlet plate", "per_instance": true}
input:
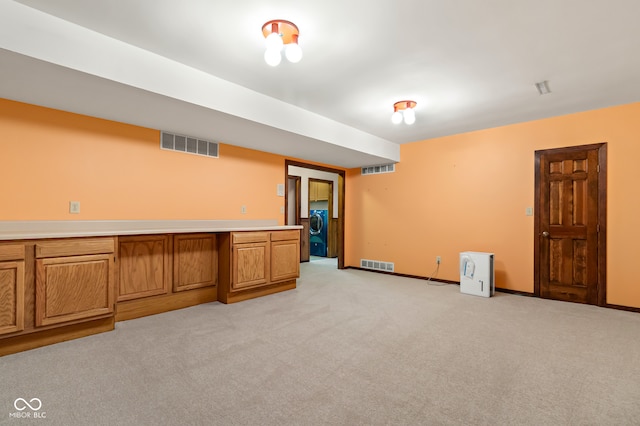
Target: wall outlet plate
{"points": [[74, 207]]}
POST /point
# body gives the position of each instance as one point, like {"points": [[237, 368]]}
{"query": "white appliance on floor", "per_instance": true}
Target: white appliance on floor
{"points": [[476, 273]]}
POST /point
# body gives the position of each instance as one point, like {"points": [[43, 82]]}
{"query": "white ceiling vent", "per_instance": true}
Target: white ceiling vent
{"points": [[375, 170], [377, 265], [188, 144]]}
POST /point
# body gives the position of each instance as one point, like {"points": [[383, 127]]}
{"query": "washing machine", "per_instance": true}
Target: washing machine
{"points": [[318, 222]]}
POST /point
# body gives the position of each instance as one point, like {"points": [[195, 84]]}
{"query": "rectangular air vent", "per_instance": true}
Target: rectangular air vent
{"points": [[188, 144], [382, 168], [377, 265]]}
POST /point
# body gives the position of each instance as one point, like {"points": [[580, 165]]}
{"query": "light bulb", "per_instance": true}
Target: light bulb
{"points": [[396, 118], [272, 57], [293, 52], [409, 116], [274, 41]]}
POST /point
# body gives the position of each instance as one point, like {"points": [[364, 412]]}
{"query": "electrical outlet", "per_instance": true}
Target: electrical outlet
{"points": [[438, 259], [243, 209], [281, 209], [74, 207]]}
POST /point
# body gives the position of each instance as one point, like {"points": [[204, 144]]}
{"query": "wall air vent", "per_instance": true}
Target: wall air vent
{"points": [[375, 170], [377, 265], [188, 144]]}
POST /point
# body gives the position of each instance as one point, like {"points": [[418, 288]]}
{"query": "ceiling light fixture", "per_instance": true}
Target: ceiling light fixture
{"points": [[281, 35], [543, 87], [403, 110]]}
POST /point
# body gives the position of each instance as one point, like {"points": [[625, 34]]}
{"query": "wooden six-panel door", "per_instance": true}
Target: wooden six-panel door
{"points": [[570, 212]]}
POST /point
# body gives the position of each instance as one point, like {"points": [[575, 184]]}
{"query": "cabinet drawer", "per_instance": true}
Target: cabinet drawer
{"points": [[11, 252], [285, 235], [249, 237], [74, 247]]}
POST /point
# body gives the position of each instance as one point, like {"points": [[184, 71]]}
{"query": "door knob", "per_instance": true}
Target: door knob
{"points": [[545, 234]]}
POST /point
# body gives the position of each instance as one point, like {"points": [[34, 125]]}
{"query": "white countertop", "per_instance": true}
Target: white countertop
{"points": [[36, 229]]}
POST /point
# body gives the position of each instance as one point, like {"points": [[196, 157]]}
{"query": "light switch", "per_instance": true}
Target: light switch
{"points": [[280, 190], [529, 211]]}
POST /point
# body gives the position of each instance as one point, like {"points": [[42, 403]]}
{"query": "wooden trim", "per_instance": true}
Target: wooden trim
{"points": [[298, 181], [304, 239], [341, 220], [536, 224], [167, 302], [440, 280], [516, 292], [260, 291], [11, 345], [622, 308], [602, 221], [602, 216], [418, 277], [311, 166]]}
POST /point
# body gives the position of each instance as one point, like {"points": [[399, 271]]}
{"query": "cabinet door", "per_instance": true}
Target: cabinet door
{"points": [[250, 265], [313, 191], [322, 191], [285, 260], [195, 261], [73, 288], [144, 266], [11, 296]]}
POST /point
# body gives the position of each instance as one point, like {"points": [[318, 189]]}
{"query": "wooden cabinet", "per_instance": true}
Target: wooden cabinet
{"points": [[145, 268], [318, 191], [250, 260], [195, 261], [157, 270], [253, 264], [74, 280], [12, 288], [53, 290], [285, 255]]}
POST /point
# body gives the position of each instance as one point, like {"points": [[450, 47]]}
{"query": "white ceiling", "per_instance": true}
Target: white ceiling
{"points": [[196, 67]]}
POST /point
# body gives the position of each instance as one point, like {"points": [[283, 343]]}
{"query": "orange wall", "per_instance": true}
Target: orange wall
{"points": [[471, 191], [118, 171], [463, 192]]}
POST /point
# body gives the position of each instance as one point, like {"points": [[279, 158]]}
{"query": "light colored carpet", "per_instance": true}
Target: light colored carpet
{"points": [[345, 348]]}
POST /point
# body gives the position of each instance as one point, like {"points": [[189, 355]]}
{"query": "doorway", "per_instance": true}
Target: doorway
{"points": [[308, 178], [570, 224], [321, 236]]}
